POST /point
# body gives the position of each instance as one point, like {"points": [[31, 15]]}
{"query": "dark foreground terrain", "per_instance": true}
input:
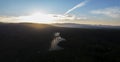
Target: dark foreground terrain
{"points": [[26, 42]]}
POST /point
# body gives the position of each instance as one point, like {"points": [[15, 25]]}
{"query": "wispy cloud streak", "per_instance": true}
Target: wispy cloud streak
{"points": [[81, 4], [113, 12]]}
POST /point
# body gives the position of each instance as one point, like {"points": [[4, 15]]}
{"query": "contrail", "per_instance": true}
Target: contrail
{"points": [[81, 4]]}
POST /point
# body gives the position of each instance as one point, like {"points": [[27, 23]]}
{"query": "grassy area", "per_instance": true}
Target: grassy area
{"points": [[23, 43]]}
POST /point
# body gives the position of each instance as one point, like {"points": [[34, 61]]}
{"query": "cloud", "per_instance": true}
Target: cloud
{"points": [[113, 12], [8, 19], [41, 18], [45, 17], [70, 17], [81, 4]]}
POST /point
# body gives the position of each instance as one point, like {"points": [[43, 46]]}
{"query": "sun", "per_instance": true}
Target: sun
{"points": [[38, 17]]}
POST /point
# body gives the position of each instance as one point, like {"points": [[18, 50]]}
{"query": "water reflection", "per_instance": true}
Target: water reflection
{"points": [[56, 40]]}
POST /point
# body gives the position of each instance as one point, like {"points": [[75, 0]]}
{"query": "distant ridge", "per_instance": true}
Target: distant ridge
{"points": [[30, 25], [74, 25], [65, 25]]}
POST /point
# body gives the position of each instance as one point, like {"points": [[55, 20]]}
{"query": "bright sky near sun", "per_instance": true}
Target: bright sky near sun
{"points": [[104, 12]]}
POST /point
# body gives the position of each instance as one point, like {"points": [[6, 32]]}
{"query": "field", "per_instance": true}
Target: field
{"points": [[27, 42]]}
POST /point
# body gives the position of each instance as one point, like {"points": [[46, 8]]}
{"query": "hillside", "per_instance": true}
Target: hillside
{"points": [[27, 42]]}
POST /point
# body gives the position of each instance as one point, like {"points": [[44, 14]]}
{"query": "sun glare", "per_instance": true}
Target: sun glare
{"points": [[38, 17]]}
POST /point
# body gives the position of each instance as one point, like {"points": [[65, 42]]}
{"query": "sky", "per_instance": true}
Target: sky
{"points": [[96, 12]]}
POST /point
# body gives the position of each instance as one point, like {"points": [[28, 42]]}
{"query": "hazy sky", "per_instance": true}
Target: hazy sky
{"points": [[106, 12]]}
